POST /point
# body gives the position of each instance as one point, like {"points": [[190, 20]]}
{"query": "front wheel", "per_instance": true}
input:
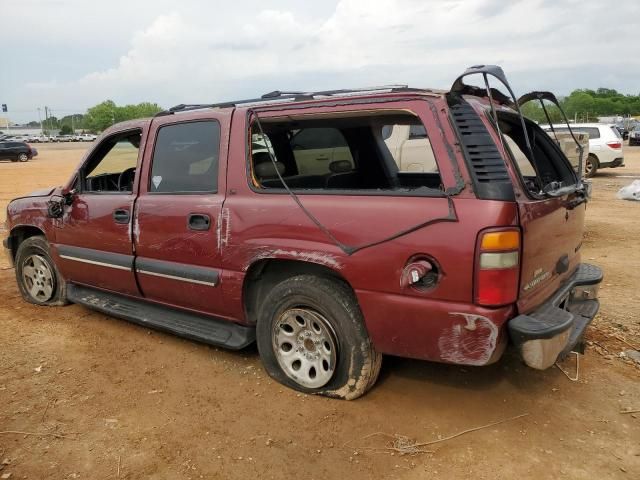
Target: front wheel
{"points": [[311, 337], [591, 166], [23, 157], [38, 278]]}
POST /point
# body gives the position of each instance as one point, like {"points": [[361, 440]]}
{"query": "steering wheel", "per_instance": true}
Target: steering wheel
{"points": [[128, 172]]}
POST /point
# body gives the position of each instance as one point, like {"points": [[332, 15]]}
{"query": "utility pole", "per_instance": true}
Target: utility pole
{"points": [[73, 128], [40, 120]]}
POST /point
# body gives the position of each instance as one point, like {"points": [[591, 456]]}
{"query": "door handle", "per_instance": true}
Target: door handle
{"points": [[199, 221], [121, 216]]}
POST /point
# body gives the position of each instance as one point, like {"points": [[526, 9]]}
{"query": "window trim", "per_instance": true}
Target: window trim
{"points": [[153, 151], [82, 170]]}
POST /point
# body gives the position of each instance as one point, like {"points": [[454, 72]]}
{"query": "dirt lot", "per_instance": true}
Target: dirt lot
{"points": [[126, 402]]}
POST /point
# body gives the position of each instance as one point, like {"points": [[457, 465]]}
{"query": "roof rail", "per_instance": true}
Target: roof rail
{"points": [[278, 95]]}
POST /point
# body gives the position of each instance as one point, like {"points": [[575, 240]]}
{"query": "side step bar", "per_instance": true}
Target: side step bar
{"points": [[203, 329]]}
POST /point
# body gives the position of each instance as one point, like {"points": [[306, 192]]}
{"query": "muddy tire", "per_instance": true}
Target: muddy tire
{"points": [[38, 278], [311, 337], [591, 166]]}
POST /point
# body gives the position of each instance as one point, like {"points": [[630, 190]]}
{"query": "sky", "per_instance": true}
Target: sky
{"points": [[72, 54]]}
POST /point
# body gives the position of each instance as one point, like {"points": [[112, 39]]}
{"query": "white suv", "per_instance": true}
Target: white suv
{"points": [[605, 145]]}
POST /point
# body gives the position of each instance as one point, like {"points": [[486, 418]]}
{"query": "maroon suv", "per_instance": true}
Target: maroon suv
{"points": [[330, 227]]}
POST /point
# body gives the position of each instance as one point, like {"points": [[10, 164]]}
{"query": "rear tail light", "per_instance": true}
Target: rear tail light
{"points": [[615, 145], [497, 268]]}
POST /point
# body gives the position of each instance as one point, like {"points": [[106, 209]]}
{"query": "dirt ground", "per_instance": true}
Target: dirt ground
{"points": [[99, 398]]}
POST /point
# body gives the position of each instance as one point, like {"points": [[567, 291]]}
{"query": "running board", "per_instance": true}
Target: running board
{"points": [[203, 329]]}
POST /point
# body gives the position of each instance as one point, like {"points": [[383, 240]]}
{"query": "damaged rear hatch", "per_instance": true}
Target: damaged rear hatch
{"points": [[549, 192]]}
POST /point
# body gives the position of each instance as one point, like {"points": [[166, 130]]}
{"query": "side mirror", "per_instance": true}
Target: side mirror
{"points": [[69, 195]]}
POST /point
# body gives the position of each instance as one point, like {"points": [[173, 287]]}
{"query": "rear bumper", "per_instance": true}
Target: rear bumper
{"points": [[555, 327], [618, 162]]}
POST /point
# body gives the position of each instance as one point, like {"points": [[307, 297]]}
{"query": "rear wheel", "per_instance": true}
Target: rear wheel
{"points": [[38, 278], [23, 157], [591, 166], [311, 337]]}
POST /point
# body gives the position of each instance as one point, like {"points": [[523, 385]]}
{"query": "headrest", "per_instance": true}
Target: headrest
{"points": [[340, 166], [267, 169]]}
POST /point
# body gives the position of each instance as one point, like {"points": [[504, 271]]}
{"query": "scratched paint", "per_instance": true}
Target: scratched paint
{"points": [[315, 257], [471, 342], [135, 227], [219, 231], [227, 227]]}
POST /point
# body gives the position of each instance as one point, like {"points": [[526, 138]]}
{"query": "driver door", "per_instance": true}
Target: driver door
{"points": [[93, 243]]}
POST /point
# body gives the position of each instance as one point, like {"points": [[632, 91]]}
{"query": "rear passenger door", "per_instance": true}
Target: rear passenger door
{"points": [[179, 222]]}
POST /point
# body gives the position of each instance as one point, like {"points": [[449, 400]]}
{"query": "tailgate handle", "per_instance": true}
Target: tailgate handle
{"points": [[121, 216], [199, 221]]}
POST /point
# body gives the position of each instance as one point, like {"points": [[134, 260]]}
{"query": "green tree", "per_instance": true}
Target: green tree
{"points": [[105, 114], [66, 130]]}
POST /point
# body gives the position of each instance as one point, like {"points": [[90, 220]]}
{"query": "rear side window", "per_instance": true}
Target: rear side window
{"points": [[594, 132], [417, 131], [185, 158], [410, 147], [372, 153], [617, 132], [315, 149]]}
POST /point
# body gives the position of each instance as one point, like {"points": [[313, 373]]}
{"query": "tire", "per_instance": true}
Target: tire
{"points": [[591, 166], [23, 157], [38, 277], [320, 320]]}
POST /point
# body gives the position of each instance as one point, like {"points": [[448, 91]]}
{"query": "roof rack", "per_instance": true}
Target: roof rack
{"points": [[282, 96]]}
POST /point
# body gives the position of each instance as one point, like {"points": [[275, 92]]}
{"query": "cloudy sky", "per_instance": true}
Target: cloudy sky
{"points": [[72, 54]]}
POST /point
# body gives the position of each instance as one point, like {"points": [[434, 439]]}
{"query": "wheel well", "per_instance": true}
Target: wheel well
{"points": [[20, 234], [595, 157], [263, 275]]}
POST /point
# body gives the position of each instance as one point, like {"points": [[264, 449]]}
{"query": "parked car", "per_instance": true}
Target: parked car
{"points": [[622, 130], [634, 136], [567, 144], [605, 145], [17, 138], [16, 151], [87, 137], [39, 139], [323, 245]]}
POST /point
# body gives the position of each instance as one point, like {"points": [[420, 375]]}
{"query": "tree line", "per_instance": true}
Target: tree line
{"points": [[582, 105], [587, 105], [98, 117]]}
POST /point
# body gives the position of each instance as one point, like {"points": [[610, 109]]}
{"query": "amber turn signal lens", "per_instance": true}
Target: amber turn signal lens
{"points": [[508, 240]]}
